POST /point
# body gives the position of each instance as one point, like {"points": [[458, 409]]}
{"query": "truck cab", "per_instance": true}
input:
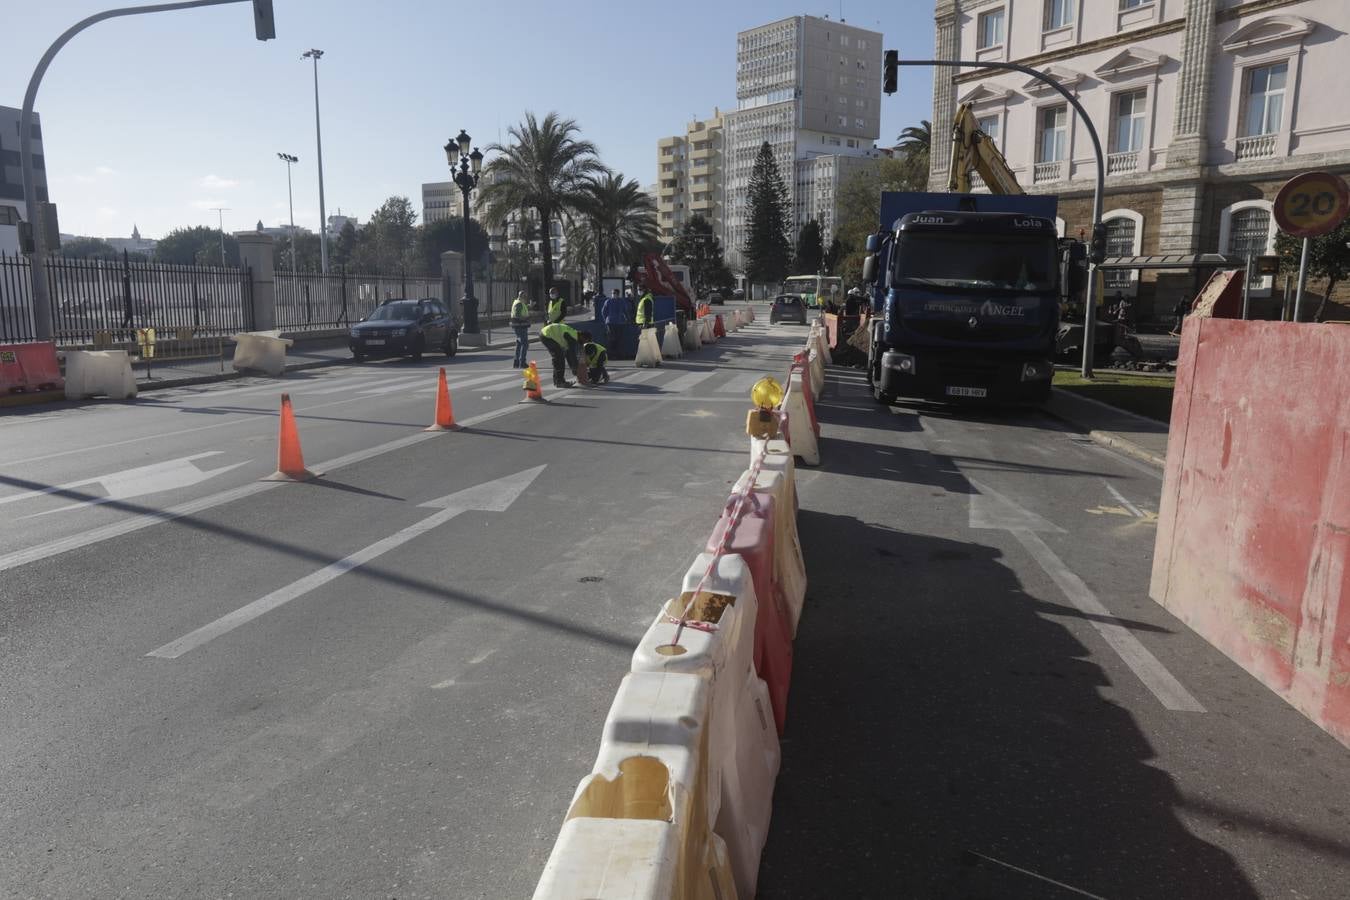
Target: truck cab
{"points": [[966, 300]]}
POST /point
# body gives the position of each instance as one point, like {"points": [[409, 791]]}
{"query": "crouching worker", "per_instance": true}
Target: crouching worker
{"points": [[596, 358], [560, 340]]}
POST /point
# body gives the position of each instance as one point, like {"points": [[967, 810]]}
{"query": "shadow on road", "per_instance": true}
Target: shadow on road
{"points": [[946, 740]]}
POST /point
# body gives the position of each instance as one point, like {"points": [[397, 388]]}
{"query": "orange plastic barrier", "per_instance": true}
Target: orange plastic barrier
{"points": [[1253, 548], [29, 367]]}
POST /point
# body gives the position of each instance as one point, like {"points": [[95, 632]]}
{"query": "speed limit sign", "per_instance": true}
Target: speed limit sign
{"points": [[1312, 204]]}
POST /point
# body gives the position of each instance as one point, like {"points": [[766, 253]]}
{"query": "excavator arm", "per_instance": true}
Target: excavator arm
{"points": [[974, 151]]}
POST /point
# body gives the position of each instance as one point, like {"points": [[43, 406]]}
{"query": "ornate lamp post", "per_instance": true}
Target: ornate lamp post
{"points": [[465, 167]]}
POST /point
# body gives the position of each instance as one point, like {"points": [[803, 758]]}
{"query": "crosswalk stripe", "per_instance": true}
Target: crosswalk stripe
{"points": [[737, 384], [636, 376], [686, 382], [390, 387]]}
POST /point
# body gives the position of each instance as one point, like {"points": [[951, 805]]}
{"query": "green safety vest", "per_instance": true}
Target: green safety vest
{"points": [[644, 310], [558, 332], [596, 355], [520, 310], [555, 310]]}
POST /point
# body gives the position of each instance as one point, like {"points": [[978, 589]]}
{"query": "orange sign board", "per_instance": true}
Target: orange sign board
{"points": [[1312, 204]]}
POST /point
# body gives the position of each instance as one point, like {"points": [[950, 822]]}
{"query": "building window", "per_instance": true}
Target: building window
{"points": [[843, 121], [1134, 4], [852, 142], [1054, 134], [843, 101], [843, 81], [989, 125], [991, 30], [860, 83], [862, 44], [1120, 241], [1128, 121], [1058, 14], [843, 40], [859, 123], [1264, 107], [1249, 234]]}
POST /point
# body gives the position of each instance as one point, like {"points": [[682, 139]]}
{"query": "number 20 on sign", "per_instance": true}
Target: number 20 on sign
{"points": [[1312, 204]]}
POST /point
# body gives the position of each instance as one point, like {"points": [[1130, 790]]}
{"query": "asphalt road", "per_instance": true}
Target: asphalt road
{"points": [[986, 704], [388, 682], [413, 726]]}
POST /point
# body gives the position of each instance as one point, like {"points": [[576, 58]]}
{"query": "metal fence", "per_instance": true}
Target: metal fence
{"points": [[308, 301], [102, 302]]}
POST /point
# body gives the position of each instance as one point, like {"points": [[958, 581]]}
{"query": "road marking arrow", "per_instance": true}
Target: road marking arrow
{"points": [[990, 509], [130, 483], [493, 496]]}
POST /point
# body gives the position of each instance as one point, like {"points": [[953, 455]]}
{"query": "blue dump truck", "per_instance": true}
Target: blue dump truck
{"points": [[966, 292]]}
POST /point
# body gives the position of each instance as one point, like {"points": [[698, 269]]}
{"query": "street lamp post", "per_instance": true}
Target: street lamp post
{"points": [[290, 200], [465, 167], [316, 55], [220, 212]]}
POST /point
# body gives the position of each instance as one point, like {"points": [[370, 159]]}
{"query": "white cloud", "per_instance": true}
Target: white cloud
{"points": [[216, 183], [103, 170], [106, 212], [207, 204]]}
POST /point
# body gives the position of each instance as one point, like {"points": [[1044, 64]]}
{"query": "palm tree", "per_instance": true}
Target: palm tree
{"points": [[916, 138], [545, 168], [622, 218]]}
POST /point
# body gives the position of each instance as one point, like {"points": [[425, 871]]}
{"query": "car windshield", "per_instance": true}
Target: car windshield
{"points": [[788, 301], [985, 261], [395, 312]]}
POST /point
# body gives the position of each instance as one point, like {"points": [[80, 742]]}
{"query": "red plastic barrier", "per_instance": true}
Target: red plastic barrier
{"points": [[719, 330], [1253, 548], [753, 541], [29, 367]]}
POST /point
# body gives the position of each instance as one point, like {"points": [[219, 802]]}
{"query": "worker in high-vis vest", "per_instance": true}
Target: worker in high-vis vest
{"points": [[596, 359], [520, 324], [555, 306], [561, 342], [645, 317]]}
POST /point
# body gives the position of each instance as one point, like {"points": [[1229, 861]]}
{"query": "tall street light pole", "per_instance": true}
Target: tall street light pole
{"points": [[290, 199], [465, 167], [316, 55], [264, 28], [220, 212]]}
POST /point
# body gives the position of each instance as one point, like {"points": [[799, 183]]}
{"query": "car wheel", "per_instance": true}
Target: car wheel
{"points": [[416, 354], [358, 356]]}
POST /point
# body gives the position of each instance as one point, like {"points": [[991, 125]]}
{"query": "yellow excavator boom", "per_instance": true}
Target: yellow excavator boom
{"points": [[974, 151]]}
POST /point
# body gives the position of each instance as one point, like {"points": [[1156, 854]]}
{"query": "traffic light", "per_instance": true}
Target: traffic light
{"points": [[1098, 251], [890, 70], [264, 25]]}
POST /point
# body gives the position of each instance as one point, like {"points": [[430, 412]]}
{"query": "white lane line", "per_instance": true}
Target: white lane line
{"points": [[201, 504], [686, 382], [1134, 510], [493, 496], [739, 384], [1155, 676], [515, 381]]}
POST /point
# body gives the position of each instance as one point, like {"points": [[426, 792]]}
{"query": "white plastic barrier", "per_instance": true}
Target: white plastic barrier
{"points": [[823, 343], [90, 373], [639, 826], [743, 752], [649, 351], [693, 335], [777, 478], [261, 351], [817, 367], [750, 311], [801, 434], [709, 330], [670, 346]]}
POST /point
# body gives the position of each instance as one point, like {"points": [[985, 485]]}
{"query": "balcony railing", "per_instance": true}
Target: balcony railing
{"points": [[1120, 163], [1047, 171], [1258, 146]]}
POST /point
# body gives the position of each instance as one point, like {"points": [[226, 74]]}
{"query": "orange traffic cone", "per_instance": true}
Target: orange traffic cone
{"points": [[445, 413], [290, 461], [533, 389], [583, 371]]}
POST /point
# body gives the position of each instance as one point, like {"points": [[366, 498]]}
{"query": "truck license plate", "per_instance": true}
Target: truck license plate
{"points": [[378, 342], [967, 392]]}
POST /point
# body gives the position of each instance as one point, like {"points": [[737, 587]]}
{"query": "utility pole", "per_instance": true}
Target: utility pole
{"points": [[290, 200], [220, 217], [316, 55]]}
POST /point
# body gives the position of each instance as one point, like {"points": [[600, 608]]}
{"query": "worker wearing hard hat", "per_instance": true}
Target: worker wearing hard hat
{"points": [[853, 303], [561, 341], [596, 358], [646, 317], [555, 306]]}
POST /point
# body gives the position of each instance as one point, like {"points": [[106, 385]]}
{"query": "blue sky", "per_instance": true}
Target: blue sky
{"points": [[154, 119]]}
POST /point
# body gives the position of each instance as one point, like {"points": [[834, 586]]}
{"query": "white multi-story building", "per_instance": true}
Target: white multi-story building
{"points": [[440, 200], [12, 208], [690, 168], [1204, 109], [811, 88]]}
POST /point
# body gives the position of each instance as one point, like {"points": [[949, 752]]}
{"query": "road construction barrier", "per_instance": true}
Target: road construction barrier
{"points": [[693, 335], [719, 329], [817, 369], [29, 367], [649, 351], [823, 344], [92, 373], [640, 825], [776, 477], [260, 351], [1254, 527], [801, 430], [670, 346]]}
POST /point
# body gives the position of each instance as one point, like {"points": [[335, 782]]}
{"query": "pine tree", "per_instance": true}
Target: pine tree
{"points": [[768, 252]]}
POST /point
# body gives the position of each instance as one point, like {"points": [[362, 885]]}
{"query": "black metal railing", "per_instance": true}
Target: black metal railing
{"points": [[102, 302]]}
